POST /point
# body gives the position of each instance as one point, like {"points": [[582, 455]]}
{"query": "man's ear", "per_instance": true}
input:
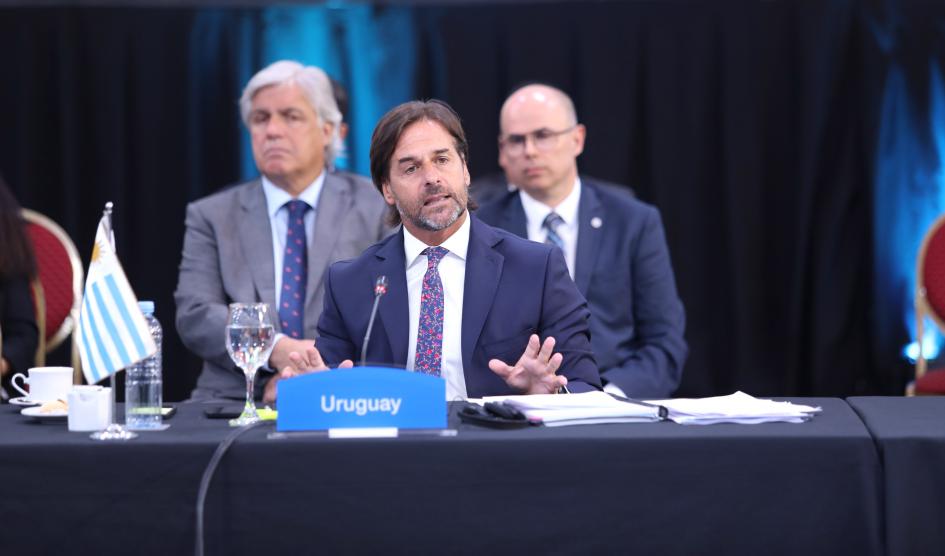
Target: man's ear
{"points": [[388, 196], [580, 133]]}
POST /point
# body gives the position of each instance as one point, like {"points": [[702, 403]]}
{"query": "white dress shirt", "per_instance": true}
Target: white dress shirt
{"points": [[276, 198], [536, 211], [452, 269]]}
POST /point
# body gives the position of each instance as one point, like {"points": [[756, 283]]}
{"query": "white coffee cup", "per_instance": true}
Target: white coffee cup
{"points": [[90, 408], [47, 384]]}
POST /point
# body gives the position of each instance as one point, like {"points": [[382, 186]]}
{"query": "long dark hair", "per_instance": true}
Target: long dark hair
{"points": [[16, 253]]}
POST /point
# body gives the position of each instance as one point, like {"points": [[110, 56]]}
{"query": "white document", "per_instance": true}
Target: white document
{"points": [[580, 409], [735, 408], [600, 407]]}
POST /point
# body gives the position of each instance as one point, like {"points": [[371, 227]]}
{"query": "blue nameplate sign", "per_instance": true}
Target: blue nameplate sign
{"points": [[362, 397]]}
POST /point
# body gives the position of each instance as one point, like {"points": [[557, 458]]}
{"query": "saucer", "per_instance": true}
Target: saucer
{"points": [[35, 413], [24, 401]]}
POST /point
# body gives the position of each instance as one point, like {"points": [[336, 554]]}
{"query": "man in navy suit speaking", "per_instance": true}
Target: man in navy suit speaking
{"points": [[614, 244], [489, 312]]}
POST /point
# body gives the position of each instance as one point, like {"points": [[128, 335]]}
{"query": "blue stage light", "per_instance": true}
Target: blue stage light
{"points": [[931, 346]]}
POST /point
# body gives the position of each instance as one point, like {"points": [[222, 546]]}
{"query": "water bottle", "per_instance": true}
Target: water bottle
{"points": [[143, 381]]}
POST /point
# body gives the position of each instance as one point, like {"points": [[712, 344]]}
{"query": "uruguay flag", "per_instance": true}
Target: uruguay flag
{"points": [[112, 331]]}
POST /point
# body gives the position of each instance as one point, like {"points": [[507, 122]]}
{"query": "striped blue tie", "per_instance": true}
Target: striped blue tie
{"points": [[294, 271], [551, 223]]}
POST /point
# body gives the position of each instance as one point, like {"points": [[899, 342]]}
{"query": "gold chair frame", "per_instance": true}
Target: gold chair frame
{"points": [[71, 321]]}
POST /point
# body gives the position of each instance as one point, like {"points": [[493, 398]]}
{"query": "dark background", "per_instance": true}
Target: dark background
{"points": [[752, 125]]}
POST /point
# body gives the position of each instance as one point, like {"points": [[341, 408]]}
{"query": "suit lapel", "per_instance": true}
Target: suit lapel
{"points": [[256, 239], [333, 204], [393, 310], [590, 213], [483, 270], [589, 237]]}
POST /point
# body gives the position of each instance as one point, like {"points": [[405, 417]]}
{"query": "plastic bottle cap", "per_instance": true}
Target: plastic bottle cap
{"points": [[147, 307]]}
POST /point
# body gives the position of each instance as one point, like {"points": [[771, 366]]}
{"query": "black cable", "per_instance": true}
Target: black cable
{"points": [[208, 476]]}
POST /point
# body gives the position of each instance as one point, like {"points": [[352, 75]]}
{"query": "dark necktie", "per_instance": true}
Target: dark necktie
{"points": [[551, 224], [294, 271], [430, 331]]}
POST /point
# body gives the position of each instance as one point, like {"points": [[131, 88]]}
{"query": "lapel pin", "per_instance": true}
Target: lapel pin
{"points": [[596, 222]]}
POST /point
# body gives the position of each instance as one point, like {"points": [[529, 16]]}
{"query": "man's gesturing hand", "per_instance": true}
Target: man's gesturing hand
{"points": [[299, 363], [534, 373]]}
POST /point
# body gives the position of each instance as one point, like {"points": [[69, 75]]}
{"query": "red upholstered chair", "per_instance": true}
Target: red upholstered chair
{"points": [[60, 276], [929, 301]]}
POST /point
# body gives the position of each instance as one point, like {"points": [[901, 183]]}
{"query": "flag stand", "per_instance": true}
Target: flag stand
{"points": [[114, 431]]}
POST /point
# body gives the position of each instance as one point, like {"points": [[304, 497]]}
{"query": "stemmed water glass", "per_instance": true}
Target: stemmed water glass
{"points": [[249, 340]]}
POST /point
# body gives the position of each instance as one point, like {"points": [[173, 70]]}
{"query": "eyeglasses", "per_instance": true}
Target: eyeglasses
{"points": [[543, 139]]}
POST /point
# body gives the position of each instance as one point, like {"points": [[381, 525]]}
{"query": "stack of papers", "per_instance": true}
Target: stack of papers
{"points": [[599, 407], [580, 409], [735, 408]]}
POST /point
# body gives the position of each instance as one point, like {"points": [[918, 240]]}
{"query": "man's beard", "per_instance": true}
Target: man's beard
{"points": [[431, 223]]}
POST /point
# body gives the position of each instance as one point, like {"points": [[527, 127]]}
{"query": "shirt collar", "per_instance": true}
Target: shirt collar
{"points": [[276, 197], [457, 244], [536, 211]]}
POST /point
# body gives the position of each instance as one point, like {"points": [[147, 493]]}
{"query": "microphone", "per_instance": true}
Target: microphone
{"points": [[380, 288]]}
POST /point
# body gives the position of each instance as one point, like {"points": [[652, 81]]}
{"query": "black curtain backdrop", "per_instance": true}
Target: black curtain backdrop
{"points": [[114, 105], [746, 123], [751, 125]]}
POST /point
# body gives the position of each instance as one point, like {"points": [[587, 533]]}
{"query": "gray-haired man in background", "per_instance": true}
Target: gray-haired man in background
{"points": [[270, 240]]}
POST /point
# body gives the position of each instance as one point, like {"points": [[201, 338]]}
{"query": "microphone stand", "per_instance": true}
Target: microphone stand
{"points": [[380, 288]]}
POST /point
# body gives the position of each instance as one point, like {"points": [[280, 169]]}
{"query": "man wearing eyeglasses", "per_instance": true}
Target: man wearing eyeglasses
{"points": [[614, 245]]}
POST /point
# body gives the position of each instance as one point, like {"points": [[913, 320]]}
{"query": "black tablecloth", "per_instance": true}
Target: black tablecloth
{"points": [[811, 488], [910, 434]]}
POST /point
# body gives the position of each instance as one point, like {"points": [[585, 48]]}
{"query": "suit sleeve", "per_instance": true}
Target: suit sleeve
{"points": [[654, 366], [18, 323], [333, 343], [200, 297], [565, 317]]}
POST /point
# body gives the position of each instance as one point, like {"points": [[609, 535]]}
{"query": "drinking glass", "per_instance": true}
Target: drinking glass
{"points": [[249, 340]]}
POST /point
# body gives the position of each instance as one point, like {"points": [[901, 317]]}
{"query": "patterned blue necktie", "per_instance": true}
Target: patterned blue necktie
{"points": [[294, 271], [551, 223], [430, 331]]}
